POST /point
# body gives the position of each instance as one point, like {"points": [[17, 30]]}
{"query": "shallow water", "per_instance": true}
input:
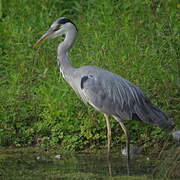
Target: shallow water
{"points": [[53, 165]]}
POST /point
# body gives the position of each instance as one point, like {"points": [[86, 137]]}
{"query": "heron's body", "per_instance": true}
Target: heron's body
{"points": [[113, 95], [105, 91]]}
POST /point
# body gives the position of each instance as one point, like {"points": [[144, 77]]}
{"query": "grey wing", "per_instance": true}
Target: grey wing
{"points": [[111, 94]]}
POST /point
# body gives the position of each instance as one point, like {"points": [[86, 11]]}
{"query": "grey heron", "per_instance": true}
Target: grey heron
{"points": [[105, 91]]}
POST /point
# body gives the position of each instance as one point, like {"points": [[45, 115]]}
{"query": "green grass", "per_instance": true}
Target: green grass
{"points": [[136, 39]]}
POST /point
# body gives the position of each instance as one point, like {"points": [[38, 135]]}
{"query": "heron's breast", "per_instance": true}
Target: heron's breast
{"points": [[61, 71]]}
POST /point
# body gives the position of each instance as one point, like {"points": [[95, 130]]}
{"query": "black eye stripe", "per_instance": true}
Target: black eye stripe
{"points": [[57, 27], [62, 21]]}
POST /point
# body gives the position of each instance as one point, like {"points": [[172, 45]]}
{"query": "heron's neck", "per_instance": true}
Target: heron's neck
{"points": [[63, 49]]}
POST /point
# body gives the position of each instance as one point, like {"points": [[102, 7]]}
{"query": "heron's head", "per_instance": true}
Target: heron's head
{"points": [[58, 28]]}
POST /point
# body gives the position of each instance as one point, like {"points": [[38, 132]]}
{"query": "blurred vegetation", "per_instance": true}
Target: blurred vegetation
{"points": [[136, 39]]}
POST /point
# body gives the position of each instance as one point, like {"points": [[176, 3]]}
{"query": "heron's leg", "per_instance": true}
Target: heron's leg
{"points": [[108, 131], [127, 139]]}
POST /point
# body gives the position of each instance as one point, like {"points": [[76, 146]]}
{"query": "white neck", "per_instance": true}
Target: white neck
{"points": [[62, 52]]}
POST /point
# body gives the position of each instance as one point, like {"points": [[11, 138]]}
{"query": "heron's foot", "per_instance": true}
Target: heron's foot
{"points": [[133, 150]]}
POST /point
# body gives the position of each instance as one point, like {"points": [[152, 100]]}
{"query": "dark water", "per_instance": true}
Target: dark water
{"points": [[54, 165]]}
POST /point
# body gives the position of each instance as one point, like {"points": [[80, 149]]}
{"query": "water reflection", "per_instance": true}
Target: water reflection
{"points": [[109, 162], [72, 166]]}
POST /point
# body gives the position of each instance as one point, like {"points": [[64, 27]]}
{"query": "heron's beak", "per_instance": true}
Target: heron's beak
{"points": [[44, 37]]}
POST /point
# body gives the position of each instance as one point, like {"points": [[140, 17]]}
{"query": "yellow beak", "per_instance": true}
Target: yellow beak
{"points": [[44, 37]]}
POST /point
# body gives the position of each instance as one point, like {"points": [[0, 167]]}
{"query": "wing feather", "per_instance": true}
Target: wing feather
{"points": [[113, 95]]}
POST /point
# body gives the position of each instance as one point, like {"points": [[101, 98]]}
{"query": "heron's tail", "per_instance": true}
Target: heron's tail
{"points": [[150, 113]]}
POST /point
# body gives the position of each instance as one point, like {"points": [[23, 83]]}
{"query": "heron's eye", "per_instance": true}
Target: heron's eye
{"points": [[57, 27]]}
